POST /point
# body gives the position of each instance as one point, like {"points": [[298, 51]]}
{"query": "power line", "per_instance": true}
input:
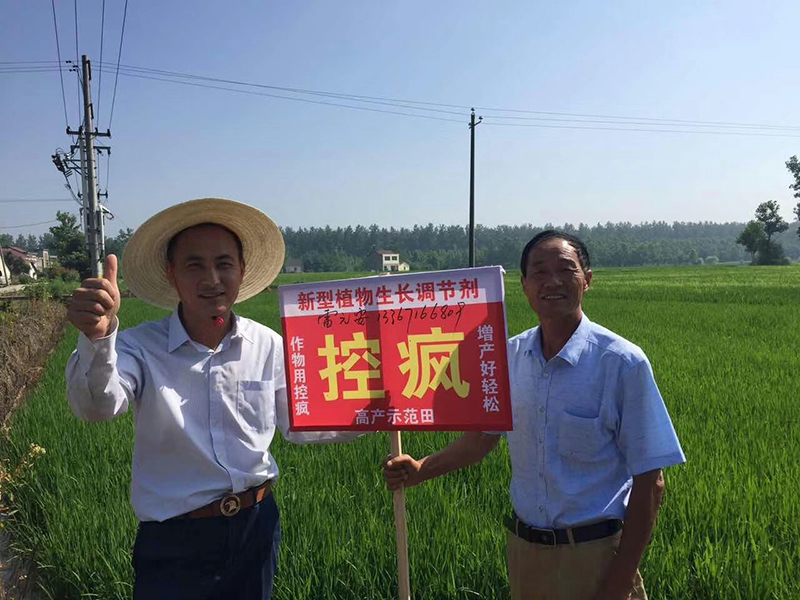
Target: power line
{"points": [[119, 56], [29, 70], [351, 97], [359, 98], [30, 62], [293, 90], [576, 120], [306, 100], [641, 121], [639, 129], [26, 200], [102, 35], [623, 126], [60, 72], [29, 224], [77, 60]]}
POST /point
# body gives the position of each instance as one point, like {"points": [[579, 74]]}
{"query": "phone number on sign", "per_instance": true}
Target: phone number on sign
{"points": [[392, 316]]}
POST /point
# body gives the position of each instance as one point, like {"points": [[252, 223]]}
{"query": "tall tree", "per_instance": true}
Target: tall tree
{"points": [[769, 214], [753, 237], [47, 241], [794, 168], [797, 212], [69, 243], [117, 244]]}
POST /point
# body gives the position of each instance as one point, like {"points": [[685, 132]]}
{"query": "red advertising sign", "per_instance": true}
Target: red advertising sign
{"points": [[398, 352]]}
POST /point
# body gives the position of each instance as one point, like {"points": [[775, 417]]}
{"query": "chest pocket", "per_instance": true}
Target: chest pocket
{"points": [[581, 438], [256, 404]]}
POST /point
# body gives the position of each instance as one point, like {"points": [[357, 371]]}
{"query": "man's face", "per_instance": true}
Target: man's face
{"points": [[554, 282], [206, 271]]}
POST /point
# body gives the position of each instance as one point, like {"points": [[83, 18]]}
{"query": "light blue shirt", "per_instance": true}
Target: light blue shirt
{"points": [[205, 418], [585, 423]]}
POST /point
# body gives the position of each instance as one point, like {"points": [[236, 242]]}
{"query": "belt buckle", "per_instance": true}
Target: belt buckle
{"points": [[230, 505], [547, 537]]}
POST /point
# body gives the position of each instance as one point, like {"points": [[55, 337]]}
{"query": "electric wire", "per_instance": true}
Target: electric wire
{"points": [[32, 62], [306, 100], [30, 70], [27, 200], [28, 224], [356, 97], [60, 72], [582, 124], [77, 61], [100, 78], [119, 56], [643, 130], [422, 109], [367, 99]]}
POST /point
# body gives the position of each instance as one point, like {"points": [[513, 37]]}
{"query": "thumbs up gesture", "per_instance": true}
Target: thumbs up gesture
{"points": [[95, 304]]}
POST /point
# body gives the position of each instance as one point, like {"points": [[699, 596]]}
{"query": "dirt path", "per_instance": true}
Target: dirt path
{"points": [[11, 289]]}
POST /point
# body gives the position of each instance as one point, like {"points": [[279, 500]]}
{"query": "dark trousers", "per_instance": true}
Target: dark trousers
{"points": [[231, 558]]}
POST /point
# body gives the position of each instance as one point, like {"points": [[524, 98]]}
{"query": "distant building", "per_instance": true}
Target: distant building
{"points": [[384, 260], [5, 273], [293, 265], [43, 261], [12, 252], [404, 266]]}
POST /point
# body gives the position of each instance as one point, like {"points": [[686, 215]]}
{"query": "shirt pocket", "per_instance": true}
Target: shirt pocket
{"points": [[255, 404], [581, 438]]}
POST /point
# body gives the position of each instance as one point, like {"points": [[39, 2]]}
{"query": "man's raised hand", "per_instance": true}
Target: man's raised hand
{"points": [[95, 304]]}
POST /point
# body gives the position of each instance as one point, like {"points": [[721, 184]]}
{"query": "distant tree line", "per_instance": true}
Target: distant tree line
{"points": [[433, 247], [436, 247]]}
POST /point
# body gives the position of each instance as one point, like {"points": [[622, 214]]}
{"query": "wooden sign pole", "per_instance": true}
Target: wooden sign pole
{"points": [[401, 530]]}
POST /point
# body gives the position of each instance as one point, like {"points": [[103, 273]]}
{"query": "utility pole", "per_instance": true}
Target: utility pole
{"points": [[92, 209], [472, 124]]}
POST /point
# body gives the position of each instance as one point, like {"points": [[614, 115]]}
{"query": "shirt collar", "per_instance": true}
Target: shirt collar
{"points": [[571, 351], [177, 333], [178, 336], [241, 329]]}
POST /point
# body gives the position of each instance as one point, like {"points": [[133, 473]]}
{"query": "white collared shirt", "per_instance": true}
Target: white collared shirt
{"points": [[204, 418]]}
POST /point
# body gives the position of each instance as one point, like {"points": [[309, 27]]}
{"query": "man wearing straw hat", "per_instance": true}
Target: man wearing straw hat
{"points": [[591, 437], [207, 389]]}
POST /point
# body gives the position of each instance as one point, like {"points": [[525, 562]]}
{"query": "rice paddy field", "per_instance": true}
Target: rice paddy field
{"points": [[725, 346]]}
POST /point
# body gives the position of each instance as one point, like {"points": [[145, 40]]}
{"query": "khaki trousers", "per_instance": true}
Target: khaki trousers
{"points": [[563, 572]]}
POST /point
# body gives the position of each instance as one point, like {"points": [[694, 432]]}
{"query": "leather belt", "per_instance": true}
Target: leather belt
{"points": [[231, 504], [553, 537]]}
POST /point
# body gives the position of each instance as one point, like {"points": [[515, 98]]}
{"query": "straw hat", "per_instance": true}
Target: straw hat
{"points": [[145, 256]]}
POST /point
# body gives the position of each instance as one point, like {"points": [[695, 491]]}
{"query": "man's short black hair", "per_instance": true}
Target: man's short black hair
{"points": [[174, 239], [574, 241]]}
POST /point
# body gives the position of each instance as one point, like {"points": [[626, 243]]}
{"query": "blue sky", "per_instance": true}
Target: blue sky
{"points": [[307, 164]]}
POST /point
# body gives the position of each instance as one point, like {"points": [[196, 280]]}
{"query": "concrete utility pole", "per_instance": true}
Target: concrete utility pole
{"points": [[92, 209], [472, 124]]}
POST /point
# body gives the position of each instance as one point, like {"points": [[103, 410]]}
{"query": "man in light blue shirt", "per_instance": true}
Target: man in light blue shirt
{"points": [[591, 436]]}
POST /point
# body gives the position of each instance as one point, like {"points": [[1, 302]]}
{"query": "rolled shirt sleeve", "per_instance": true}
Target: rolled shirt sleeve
{"points": [[646, 436], [103, 377]]}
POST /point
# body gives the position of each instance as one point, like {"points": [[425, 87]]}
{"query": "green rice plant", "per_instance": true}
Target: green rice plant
{"points": [[723, 343]]}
